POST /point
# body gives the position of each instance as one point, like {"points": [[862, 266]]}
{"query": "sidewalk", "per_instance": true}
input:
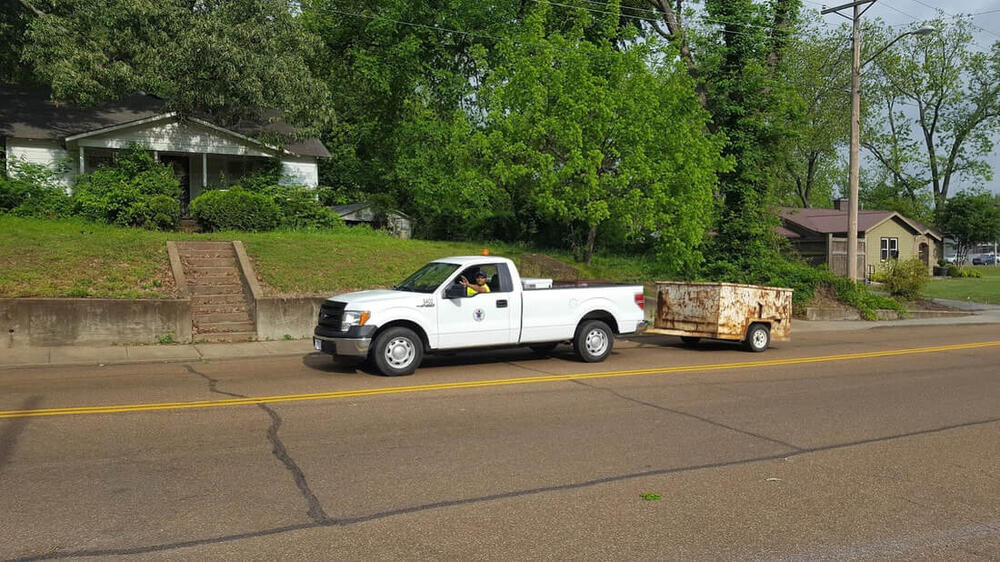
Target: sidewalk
{"points": [[978, 314], [20, 357]]}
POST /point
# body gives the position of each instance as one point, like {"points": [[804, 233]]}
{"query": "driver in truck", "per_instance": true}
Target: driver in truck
{"points": [[479, 286]]}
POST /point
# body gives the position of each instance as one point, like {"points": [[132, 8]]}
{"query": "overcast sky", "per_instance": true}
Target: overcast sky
{"points": [[905, 12]]}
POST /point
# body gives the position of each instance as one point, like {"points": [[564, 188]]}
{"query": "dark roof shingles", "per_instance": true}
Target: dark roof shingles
{"points": [[28, 113]]}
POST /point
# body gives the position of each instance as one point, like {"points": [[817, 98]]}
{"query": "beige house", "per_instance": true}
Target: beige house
{"points": [[820, 237], [76, 140]]}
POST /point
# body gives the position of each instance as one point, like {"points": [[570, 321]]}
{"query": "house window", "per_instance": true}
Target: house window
{"points": [[890, 249]]}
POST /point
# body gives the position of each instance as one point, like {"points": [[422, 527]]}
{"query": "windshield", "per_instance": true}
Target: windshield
{"points": [[427, 278]]}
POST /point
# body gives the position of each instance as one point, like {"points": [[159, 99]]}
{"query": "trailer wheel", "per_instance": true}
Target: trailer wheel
{"points": [[690, 340], [397, 351], [594, 341], [758, 338]]}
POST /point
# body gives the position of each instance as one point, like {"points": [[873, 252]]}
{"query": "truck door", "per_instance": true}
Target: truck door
{"points": [[481, 319]]}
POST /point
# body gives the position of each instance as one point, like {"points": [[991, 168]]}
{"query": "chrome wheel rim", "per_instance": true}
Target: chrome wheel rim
{"points": [[597, 342], [759, 338], [400, 353]]}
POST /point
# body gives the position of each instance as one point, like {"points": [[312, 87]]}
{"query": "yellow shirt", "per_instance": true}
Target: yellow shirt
{"points": [[469, 291]]}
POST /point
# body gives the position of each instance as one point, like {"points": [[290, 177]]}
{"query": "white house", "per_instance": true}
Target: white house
{"points": [[35, 129]]}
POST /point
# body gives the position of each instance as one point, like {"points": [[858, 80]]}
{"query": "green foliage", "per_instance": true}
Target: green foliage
{"points": [[953, 87], [806, 164], [963, 272], [742, 74], [805, 280], [903, 278], [298, 208], [235, 209], [32, 190], [971, 218], [135, 191], [228, 58]]}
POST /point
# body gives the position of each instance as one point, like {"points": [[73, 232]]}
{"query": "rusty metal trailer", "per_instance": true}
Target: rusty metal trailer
{"points": [[752, 314]]}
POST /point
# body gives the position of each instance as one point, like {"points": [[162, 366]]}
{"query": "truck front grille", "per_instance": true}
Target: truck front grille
{"points": [[331, 314]]}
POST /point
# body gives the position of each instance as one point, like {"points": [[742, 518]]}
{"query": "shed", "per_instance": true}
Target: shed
{"points": [[396, 222]]}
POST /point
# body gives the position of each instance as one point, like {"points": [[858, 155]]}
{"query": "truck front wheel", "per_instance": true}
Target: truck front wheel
{"points": [[397, 351], [594, 341]]}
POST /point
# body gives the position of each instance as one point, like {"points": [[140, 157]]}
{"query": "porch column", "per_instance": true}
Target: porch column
{"points": [[81, 160], [156, 155], [204, 170]]}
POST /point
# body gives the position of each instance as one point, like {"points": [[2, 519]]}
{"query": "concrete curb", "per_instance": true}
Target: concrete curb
{"points": [[69, 356]]}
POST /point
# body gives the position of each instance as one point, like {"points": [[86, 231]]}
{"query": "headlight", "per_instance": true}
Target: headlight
{"points": [[354, 318]]}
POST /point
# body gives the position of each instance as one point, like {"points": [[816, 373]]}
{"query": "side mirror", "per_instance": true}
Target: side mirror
{"points": [[454, 291]]}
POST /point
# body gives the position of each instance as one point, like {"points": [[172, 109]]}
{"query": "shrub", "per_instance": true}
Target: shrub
{"points": [[32, 190], [805, 280], [137, 191], [904, 278], [299, 208], [963, 272], [235, 209]]}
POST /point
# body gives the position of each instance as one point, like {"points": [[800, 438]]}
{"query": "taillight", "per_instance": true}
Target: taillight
{"points": [[640, 301]]}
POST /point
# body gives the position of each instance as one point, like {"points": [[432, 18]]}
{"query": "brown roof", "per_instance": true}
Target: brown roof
{"points": [[29, 113], [831, 221]]}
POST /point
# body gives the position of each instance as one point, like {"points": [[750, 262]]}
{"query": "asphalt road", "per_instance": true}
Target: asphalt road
{"points": [[881, 444]]}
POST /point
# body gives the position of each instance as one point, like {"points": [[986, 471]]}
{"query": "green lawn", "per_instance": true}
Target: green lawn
{"points": [[72, 258], [984, 290]]}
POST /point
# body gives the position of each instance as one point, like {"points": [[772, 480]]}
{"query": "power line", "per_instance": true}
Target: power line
{"points": [[922, 3]]}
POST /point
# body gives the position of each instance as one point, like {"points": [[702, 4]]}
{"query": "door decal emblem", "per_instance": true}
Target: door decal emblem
{"points": [[478, 315], [428, 303]]}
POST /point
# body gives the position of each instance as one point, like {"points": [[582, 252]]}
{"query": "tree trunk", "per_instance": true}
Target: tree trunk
{"points": [[588, 251]]}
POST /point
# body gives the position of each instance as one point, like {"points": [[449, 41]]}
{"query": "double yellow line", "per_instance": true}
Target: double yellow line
{"points": [[157, 406]]}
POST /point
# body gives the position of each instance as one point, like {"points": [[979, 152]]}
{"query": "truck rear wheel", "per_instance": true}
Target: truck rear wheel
{"points": [[594, 341], [397, 351], [758, 338]]}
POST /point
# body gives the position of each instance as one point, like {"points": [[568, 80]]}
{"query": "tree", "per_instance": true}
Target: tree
{"points": [[807, 164], [971, 218], [940, 109], [230, 58]]}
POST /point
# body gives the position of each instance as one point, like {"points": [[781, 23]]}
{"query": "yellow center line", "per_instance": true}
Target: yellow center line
{"points": [[114, 409]]}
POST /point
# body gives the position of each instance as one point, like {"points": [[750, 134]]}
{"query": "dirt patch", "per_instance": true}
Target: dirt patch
{"points": [[540, 265]]}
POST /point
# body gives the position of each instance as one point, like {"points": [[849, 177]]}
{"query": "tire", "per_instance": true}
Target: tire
{"points": [[758, 338], [690, 340], [543, 347], [397, 352], [594, 341]]}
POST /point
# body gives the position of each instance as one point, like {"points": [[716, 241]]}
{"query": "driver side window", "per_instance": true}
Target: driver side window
{"points": [[492, 272]]}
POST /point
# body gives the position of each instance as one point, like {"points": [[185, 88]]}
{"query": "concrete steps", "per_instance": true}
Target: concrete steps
{"points": [[220, 309]]}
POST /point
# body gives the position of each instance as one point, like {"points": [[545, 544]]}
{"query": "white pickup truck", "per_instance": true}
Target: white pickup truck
{"points": [[431, 311]]}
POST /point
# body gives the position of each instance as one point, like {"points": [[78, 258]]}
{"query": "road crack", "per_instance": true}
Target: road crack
{"points": [[794, 448], [130, 551], [278, 449]]}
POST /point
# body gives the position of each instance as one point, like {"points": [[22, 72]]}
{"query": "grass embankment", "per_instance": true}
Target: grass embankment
{"points": [[72, 258], [984, 290]]}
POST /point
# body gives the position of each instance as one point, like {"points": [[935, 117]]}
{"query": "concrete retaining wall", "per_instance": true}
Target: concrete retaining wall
{"points": [[50, 322], [294, 316]]}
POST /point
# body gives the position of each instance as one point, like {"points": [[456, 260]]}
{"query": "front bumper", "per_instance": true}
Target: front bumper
{"points": [[352, 343]]}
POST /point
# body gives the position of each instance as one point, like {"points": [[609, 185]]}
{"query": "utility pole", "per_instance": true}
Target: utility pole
{"points": [[854, 174]]}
